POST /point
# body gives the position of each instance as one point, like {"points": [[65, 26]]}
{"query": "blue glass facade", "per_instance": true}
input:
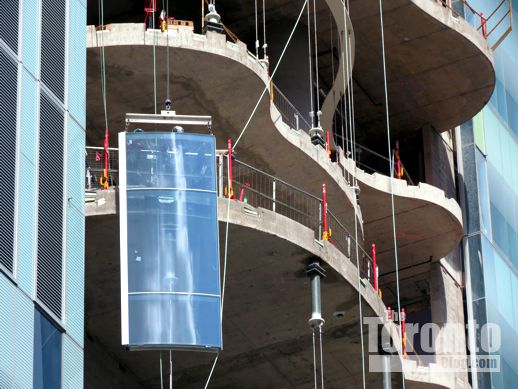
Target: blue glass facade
{"points": [[170, 247], [42, 118], [490, 158]]}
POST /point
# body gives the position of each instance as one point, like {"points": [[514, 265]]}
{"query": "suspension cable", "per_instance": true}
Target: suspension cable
{"points": [[314, 359], [103, 63], [265, 45], [170, 369], [310, 55], [387, 118], [256, 33], [167, 50], [211, 371], [346, 49], [267, 86], [316, 60], [154, 54], [321, 357]]}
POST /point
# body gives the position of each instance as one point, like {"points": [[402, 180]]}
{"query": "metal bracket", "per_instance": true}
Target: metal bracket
{"points": [[168, 117]]}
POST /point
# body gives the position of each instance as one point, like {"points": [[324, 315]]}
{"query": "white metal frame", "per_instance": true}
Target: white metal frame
{"points": [[123, 231]]}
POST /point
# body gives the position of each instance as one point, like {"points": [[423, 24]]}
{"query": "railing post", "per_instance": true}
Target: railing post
{"points": [[297, 126], [403, 332], [220, 174], [230, 188], [89, 178], [274, 185], [349, 246]]}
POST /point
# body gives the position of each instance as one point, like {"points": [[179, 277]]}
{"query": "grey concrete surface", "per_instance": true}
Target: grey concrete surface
{"points": [[209, 76], [440, 69], [267, 342], [428, 225]]}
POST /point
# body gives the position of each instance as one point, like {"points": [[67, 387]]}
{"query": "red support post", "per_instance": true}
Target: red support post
{"points": [[374, 267], [104, 181], [230, 187], [389, 313], [325, 234], [483, 24]]}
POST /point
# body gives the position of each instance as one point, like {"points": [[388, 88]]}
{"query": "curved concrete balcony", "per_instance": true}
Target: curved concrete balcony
{"points": [[266, 311], [428, 224], [440, 68], [208, 76]]}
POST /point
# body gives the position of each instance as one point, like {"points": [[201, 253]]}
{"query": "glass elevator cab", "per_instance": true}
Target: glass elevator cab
{"points": [[170, 276]]}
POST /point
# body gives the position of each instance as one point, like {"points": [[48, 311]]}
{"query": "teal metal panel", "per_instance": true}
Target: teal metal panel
{"points": [[30, 32], [75, 274], [16, 337], [28, 122], [26, 225], [77, 61], [72, 364], [75, 165]]}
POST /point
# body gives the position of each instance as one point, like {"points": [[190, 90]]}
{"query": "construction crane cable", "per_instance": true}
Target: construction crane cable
{"points": [[161, 373], [256, 33], [267, 86], [154, 55], [103, 64], [316, 57], [310, 56], [211, 371], [314, 359], [321, 357], [387, 119], [167, 53]]}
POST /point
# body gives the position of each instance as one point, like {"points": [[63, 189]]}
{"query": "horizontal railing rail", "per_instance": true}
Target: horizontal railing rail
{"points": [[290, 115], [260, 190]]}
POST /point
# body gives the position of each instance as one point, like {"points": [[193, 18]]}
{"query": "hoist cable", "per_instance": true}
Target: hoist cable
{"points": [[103, 63], [264, 30], [391, 162], [321, 357], [167, 51], [347, 55], [314, 359], [267, 86], [211, 371], [170, 369], [256, 33], [316, 59], [154, 55], [310, 56]]}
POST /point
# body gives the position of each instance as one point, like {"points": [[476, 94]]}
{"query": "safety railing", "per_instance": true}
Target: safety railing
{"points": [[494, 27], [94, 165], [290, 115]]}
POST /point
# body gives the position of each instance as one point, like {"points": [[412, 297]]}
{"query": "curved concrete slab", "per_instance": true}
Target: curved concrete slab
{"points": [[440, 69], [209, 76], [344, 67], [428, 224], [267, 253]]}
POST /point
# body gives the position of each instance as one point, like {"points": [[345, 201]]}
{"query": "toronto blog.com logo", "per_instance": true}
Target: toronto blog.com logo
{"points": [[442, 348]]}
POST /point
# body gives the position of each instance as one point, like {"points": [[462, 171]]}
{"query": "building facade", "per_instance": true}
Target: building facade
{"points": [[489, 154], [42, 116]]}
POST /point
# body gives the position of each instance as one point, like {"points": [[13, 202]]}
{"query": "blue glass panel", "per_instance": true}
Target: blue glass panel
{"points": [[171, 160], [47, 353], [483, 193], [172, 241], [169, 319]]}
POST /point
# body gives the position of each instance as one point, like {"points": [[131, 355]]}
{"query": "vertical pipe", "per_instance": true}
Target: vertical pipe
{"points": [[385, 367], [374, 267], [320, 220], [297, 121]]}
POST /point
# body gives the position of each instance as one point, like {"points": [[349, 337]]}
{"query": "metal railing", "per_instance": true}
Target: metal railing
{"points": [[486, 25], [290, 115], [94, 165], [260, 190]]}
